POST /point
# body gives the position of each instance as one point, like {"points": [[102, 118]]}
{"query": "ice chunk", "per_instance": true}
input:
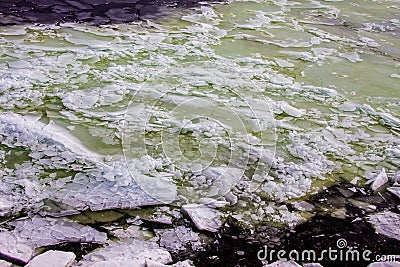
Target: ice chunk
{"points": [[282, 263], [204, 217], [347, 106], [15, 248], [126, 192], [284, 63], [151, 263], [40, 231], [303, 206], [28, 132], [385, 264], [221, 180], [185, 263], [5, 206], [379, 180], [386, 223], [5, 264], [179, 239], [53, 258], [127, 253], [291, 111]]}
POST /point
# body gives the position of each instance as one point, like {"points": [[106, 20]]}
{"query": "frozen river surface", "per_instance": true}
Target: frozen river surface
{"points": [[228, 110]]}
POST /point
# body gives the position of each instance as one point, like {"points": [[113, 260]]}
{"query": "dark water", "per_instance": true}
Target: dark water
{"points": [[88, 11]]}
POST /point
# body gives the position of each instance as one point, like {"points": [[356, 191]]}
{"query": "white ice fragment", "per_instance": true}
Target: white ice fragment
{"points": [[185, 263], [196, 168], [5, 206], [205, 218], [179, 239], [379, 180], [394, 21], [27, 131], [130, 252], [351, 56], [151, 263], [386, 223], [355, 180], [291, 111], [20, 64], [347, 106], [222, 179], [369, 42], [5, 264], [14, 247], [259, 21], [52, 258], [69, 141], [283, 63], [283, 263], [231, 198], [40, 231], [304, 206], [280, 79], [385, 264]]}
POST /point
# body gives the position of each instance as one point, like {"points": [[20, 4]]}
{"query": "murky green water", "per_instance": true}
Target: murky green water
{"points": [[267, 100]]}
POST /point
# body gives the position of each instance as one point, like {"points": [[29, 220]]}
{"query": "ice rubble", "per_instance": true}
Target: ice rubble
{"points": [[38, 231], [98, 185], [28, 234], [15, 248], [53, 258], [43, 140], [126, 253], [203, 217], [127, 54], [180, 239]]}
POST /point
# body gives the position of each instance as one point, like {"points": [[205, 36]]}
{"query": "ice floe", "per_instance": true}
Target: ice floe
{"points": [[53, 258], [203, 217], [386, 223], [128, 253]]}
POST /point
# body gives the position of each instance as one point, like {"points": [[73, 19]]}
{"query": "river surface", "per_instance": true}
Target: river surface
{"points": [[244, 106]]}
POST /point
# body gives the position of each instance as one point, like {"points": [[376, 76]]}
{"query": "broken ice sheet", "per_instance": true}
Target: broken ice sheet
{"points": [[133, 231], [180, 239], [78, 73], [162, 215], [113, 186], [127, 253], [386, 223], [28, 132], [53, 258], [204, 217], [15, 247], [379, 180], [38, 231]]}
